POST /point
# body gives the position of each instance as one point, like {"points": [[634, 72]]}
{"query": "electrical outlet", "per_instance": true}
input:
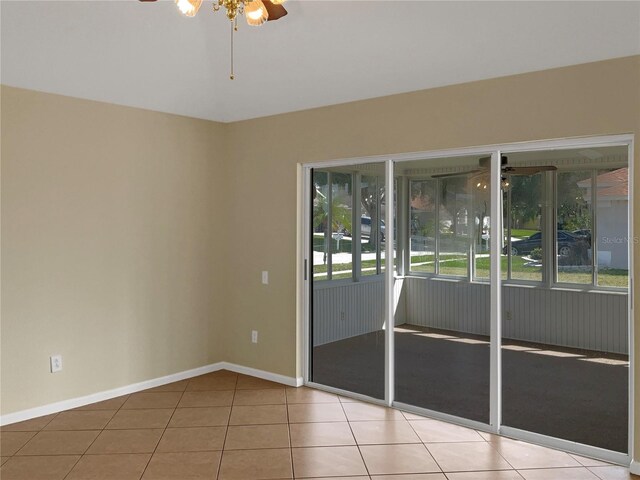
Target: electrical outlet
{"points": [[56, 363], [254, 336], [342, 316], [507, 315], [265, 277]]}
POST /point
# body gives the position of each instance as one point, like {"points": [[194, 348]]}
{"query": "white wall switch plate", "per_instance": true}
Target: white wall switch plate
{"points": [[56, 363], [254, 336], [265, 277]]}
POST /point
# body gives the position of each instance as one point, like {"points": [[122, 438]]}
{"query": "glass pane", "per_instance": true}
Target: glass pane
{"points": [[423, 225], [574, 219], [347, 324], [565, 362], [341, 201], [442, 327], [454, 227], [481, 222], [320, 241], [612, 227], [525, 237], [372, 224]]}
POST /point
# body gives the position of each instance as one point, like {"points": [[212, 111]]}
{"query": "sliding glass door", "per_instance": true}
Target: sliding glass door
{"points": [[442, 323], [349, 235], [507, 305], [565, 356]]}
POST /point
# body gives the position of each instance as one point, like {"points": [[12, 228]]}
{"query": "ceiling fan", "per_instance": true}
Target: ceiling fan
{"points": [[256, 12], [485, 166]]}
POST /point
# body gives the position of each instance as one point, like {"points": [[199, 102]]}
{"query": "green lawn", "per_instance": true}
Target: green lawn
{"points": [[522, 232]]}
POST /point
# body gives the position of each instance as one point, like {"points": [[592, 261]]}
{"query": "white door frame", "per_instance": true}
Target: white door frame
{"points": [[495, 425]]}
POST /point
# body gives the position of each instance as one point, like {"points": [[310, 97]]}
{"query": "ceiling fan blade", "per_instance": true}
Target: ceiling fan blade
{"points": [[275, 11], [528, 170], [457, 174], [147, 0]]}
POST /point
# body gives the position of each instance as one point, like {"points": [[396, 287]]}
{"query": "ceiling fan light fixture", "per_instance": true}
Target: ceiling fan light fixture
{"points": [[278, 2], [255, 12], [189, 8]]}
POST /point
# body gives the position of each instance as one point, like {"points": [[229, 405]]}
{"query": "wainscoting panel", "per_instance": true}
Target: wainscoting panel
{"points": [[571, 318]]}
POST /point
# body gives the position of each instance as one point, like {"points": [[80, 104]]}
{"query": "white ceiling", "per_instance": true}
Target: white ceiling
{"points": [[324, 52]]}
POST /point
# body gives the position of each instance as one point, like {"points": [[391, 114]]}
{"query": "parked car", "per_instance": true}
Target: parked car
{"points": [[583, 233], [365, 227], [567, 243]]}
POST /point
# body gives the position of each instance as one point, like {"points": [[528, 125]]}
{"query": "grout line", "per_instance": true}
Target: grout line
{"points": [[226, 432], [286, 403], [366, 467], [165, 428]]}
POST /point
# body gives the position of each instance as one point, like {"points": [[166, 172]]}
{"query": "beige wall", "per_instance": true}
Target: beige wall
{"points": [[139, 231], [591, 99], [112, 253]]}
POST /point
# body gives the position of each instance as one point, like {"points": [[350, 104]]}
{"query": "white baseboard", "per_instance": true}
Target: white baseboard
{"points": [[137, 387], [634, 467], [254, 372]]}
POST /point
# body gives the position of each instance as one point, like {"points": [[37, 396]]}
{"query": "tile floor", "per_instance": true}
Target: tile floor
{"points": [[227, 426]]}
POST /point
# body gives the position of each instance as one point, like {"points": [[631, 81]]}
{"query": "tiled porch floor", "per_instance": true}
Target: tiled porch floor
{"points": [[228, 426]]}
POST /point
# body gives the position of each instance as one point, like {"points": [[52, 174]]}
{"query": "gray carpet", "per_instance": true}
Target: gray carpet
{"points": [[562, 397]]}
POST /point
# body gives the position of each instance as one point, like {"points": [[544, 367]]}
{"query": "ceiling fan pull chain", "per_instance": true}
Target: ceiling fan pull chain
{"points": [[232, 30]]}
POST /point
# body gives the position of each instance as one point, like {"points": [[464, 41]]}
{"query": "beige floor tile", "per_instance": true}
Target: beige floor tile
{"points": [[11, 442], [258, 414], [613, 472], [111, 404], [467, 457], [489, 437], [523, 455], [140, 418], [436, 431], [579, 473], [170, 387], [211, 398], [359, 477], [377, 433], [248, 437], [200, 417], [365, 411], [183, 466], [207, 382], [3, 460], [269, 396], [321, 434], [252, 383], [309, 395], [413, 416], [110, 467], [396, 459], [316, 412], [192, 439], [416, 476], [33, 425], [153, 400], [256, 464], [126, 441], [59, 443], [589, 462], [38, 467], [81, 420], [494, 475], [327, 462], [348, 400]]}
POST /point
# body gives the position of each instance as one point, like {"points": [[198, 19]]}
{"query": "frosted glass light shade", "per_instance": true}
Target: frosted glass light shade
{"points": [[189, 7], [255, 13]]}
